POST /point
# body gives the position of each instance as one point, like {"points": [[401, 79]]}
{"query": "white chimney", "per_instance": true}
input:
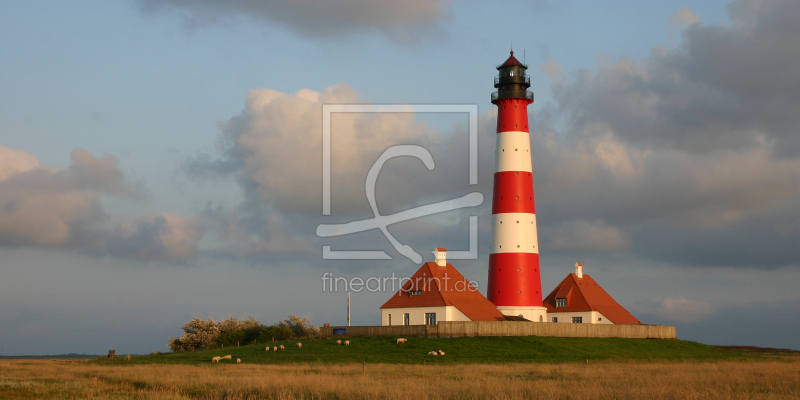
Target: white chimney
{"points": [[579, 269], [441, 257]]}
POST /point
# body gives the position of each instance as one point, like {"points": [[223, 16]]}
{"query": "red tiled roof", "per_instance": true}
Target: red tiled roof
{"points": [[584, 294], [445, 286], [512, 61]]}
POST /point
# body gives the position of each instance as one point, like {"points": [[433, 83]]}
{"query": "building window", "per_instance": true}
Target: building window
{"points": [[430, 318], [561, 302], [577, 320], [390, 319], [555, 319], [599, 319], [406, 319], [415, 293]]}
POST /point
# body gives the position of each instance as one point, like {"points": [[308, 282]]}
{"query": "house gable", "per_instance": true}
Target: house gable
{"points": [[584, 294], [433, 286]]}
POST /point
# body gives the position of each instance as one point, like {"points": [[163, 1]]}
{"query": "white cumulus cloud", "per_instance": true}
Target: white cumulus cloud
{"points": [[42, 206]]}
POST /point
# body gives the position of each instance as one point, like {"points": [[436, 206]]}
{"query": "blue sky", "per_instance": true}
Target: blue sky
{"points": [[159, 159]]}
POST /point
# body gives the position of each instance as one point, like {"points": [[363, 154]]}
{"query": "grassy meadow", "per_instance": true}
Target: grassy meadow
{"points": [[50, 379], [378, 368]]}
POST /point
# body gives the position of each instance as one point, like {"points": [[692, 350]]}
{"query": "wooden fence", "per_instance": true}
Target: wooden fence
{"points": [[505, 328], [518, 328], [396, 330]]}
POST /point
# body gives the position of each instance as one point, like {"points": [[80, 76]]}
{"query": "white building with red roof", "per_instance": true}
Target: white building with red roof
{"points": [[579, 299], [438, 292]]}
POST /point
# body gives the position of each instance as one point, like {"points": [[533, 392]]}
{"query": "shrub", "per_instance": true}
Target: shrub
{"points": [[301, 327], [205, 334]]}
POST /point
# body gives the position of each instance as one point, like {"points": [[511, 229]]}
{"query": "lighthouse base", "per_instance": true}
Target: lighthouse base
{"points": [[531, 313]]}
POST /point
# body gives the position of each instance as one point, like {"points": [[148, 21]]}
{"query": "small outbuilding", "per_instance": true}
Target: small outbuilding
{"points": [[579, 299], [438, 292]]}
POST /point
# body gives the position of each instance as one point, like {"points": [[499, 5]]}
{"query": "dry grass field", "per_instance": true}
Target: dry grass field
{"points": [[54, 379]]}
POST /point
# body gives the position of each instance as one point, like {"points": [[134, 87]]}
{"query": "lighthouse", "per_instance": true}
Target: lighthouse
{"points": [[515, 285]]}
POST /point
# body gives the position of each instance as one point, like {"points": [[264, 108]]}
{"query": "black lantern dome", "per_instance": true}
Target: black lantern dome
{"points": [[512, 82]]}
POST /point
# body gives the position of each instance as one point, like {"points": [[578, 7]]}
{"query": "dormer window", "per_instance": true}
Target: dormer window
{"points": [[415, 293], [561, 302]]}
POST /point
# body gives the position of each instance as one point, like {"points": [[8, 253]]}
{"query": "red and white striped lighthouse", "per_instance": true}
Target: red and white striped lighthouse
{"points": [[515, 285]]}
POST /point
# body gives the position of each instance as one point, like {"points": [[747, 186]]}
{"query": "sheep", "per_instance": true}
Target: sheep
{"points": [[441, 353], [338, 342], [238, 360], [275, 348], [281, 346], [347, 343], [267, 348], [216, 359], [299, 345], [401, 340], [228, 357], [433, 353]]}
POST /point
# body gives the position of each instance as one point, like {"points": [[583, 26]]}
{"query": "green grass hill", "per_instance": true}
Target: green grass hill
{"points": [[465, 350]]}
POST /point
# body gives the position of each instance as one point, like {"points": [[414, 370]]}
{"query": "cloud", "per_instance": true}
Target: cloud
{"points": [[553, 70], [254, 232], [275, 146], [15, 161], [685, 17], [692, 153], [400, 21], [101, 174], [42, 206], [726, 87], [277, 142], [158, 237], [583, 235], [678, 309]]}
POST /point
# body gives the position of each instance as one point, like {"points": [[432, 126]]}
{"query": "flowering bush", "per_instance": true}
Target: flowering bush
{"points": [[197, 334]]}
